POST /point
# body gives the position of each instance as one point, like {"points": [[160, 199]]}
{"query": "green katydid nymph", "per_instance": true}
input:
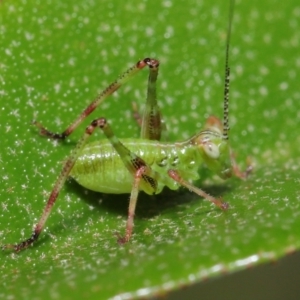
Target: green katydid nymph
{"points": [[146, 164]]}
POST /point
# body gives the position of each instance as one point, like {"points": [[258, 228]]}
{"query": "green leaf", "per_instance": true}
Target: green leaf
{"points": [[56, 56]]}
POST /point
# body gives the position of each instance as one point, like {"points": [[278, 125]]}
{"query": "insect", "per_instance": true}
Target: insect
{"points": [[146, 164]]}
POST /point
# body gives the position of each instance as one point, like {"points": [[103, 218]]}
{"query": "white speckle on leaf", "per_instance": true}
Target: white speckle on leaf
{"points": [[57, 88], [283, 86], [8, 52], [29, 36], [263, 90]]}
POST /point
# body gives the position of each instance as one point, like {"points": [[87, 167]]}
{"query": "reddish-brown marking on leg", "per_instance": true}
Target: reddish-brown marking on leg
{"points": [[123, 78], [57, 188]]}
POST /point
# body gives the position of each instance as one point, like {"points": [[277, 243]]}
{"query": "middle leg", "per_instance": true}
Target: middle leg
{"points": [[144, 178]]}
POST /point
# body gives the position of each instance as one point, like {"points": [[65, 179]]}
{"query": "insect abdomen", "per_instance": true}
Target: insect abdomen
{"points": [[99, 168]]}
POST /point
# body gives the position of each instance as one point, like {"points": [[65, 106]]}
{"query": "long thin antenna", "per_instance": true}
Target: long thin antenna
{"points": [[227, 76]]}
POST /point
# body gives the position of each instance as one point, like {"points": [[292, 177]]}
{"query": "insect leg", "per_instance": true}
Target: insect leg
{"points": [[123, 78], [176, 176], [132, 205], [151, 117], [144, 177], [236, 169], [137, 116], [55, 191], [160, 130]]}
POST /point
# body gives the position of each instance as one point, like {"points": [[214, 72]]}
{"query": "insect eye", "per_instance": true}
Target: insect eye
{"points": [[211, 150]]}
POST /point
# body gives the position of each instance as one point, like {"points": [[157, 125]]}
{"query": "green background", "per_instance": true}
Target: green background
{"points": [[56, 56]]}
